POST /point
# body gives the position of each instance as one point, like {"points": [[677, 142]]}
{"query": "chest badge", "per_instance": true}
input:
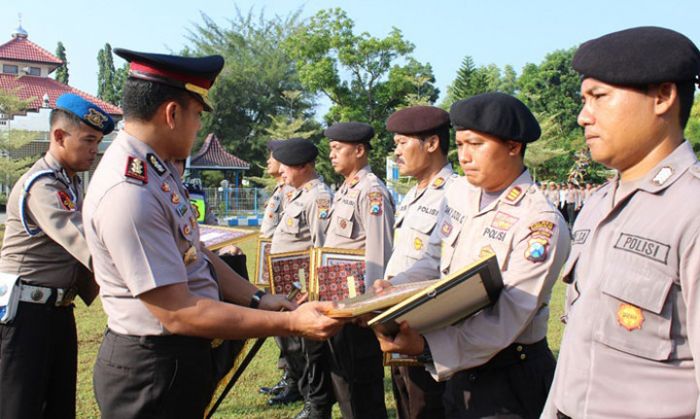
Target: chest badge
{"points": [[630, 316], [175, 198], [165, 187], [417, 243], [446, 228]]}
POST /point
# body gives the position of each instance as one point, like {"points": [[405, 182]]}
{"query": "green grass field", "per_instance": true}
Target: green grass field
{"points": [[244, 401]]}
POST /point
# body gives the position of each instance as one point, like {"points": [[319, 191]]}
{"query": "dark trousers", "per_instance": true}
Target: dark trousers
{"points": [[515, 383], [316, 380], [417, 394], [357, 372], [570, 213], [152, 376], [38, 362]]}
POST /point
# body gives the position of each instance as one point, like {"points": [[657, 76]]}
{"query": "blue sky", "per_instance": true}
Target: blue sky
{"points": [[443, 32]]}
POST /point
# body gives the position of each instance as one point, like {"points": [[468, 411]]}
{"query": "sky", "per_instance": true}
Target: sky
{"points": [[443, 32]]}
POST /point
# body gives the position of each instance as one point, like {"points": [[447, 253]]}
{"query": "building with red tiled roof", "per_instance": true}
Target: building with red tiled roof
{"points": [[213, 156], [25, 69]]}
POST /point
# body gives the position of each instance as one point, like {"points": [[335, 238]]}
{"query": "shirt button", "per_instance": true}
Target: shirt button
{"points": [[523, 356], [519, 348]]}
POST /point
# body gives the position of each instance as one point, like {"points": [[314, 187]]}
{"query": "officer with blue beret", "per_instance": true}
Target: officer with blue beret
{"points": [[632, 339], [166, 296], [44, 264]]}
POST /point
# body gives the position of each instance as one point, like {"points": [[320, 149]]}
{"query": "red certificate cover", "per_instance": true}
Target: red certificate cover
{"points": [[285, 271], [333, 284]]}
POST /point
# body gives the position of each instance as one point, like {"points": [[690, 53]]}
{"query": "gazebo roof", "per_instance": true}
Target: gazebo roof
{"points": [[212, 156]]}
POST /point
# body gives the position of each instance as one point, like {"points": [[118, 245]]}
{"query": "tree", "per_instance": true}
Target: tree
{"points": [[365, 78], [11, 140], [472, 80], [61, 74], [106, 76], [552, 88], [692, 130], [248, 95]]}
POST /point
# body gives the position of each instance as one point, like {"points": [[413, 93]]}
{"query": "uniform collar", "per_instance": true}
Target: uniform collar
{"points": [[669, 169], [54, 165], [139, 150], [355, 180], [440, 179], [512, 195], [310, 184]]}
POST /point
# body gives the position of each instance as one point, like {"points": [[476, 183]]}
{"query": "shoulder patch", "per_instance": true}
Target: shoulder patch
{"points": [[66, 201], [155, 163], [136, 169], [324, 206], [375, 203]]}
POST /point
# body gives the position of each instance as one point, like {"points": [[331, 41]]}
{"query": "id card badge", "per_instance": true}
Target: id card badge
{"points": [[9, 297]]}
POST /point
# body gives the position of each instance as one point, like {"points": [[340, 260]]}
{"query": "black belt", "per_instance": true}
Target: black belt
{"points": [[164, 341], [517, 353]]}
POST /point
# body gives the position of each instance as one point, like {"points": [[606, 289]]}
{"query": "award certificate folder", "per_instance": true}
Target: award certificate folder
{"points": [[369, 302], [288, 268], [446, 302], [217, 237]]}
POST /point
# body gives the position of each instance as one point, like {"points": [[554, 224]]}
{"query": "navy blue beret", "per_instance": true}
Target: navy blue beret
{"points": [[88, 112], [194, 74], [273, 144], [295, 152], [349, 132], [639, 56], [497, 114], [417, 119]]}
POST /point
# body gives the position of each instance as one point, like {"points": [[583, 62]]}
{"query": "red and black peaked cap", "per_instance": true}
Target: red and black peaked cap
{"points": [[193, 74]]}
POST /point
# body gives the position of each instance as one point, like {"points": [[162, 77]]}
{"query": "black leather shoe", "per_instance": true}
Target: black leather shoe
{"points": [[289, 395], [277, 388], [305, 412]]}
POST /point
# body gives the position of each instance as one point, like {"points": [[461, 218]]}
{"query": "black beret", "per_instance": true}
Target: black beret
{"points": [[295, 152], [349, 132], [194, 74], [417, 119], [639, 56], [273, 144], [497, 114]]}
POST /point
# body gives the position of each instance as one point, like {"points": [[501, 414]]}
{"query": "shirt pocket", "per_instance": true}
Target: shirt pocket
{"points": [[343, 220], [419, 229], [291, 220], [637, 312]]}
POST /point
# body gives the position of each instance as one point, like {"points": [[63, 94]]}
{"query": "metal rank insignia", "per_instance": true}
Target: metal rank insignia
{"points": [[136, 169], [514, 193], [186, 229], [663, 175], [175, 198], [193, 222], [290, 222], [190, 255], [37, 295], [438, 182], [155, 163], [630, 316], [354, 181], [165, 187]]}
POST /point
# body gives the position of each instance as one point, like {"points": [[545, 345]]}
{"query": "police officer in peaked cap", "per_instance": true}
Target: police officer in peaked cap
{"points": [[166, 296]]}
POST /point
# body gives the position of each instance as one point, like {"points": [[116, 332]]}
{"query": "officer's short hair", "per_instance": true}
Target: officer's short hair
{"points": [[58, 115], [443, 134], [142, 98]]}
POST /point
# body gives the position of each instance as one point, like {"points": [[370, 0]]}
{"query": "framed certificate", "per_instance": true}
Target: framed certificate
{"points": [[262, 268], [217, 237], [287, 268], [337, 274]]}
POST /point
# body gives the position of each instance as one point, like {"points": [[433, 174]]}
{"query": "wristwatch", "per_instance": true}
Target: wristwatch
{"points": [[255, 299], [426, 357]]}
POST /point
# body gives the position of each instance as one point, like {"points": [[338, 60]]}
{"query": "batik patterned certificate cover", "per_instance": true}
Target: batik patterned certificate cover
{"points": [[333, 284], [287, 268]]}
